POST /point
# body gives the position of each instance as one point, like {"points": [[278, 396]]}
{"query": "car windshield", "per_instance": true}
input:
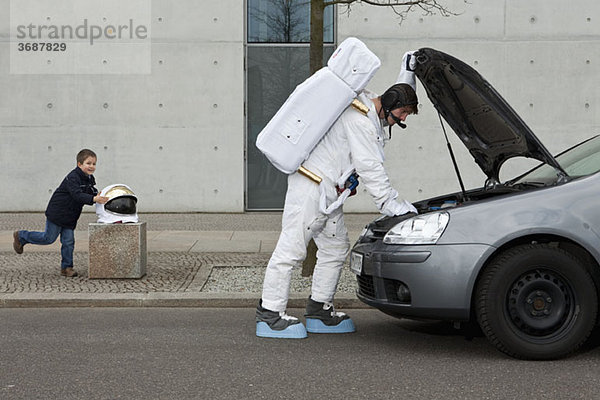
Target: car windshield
{"points": [[578, 161]]}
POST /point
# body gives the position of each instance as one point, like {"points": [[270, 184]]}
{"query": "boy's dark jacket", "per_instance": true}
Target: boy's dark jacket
{"points": [[66, 203]]}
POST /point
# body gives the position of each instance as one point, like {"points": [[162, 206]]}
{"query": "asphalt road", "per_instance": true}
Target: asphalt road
{"points": [[190, 353]]}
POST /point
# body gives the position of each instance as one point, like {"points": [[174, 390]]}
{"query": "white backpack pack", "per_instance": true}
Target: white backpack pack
{"points": [[312, 108]]}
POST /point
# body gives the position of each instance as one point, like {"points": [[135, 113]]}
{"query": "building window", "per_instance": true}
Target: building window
{"points": [[277, 60], [284, 21]]}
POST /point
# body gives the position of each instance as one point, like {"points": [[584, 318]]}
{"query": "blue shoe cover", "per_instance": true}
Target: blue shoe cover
{"points": [[315, 325], [296, 331]]}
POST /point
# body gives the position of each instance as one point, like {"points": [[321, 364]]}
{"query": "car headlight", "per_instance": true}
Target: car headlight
{"points": [[422, 229]]}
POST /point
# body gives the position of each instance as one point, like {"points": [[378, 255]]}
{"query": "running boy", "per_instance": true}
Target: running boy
{"points": [[64, 210]]}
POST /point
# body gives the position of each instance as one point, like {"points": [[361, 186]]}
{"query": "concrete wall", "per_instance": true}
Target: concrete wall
{"points": [[176, 136], [542, 56]]}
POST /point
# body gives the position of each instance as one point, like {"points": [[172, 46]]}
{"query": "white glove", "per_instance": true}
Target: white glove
{"points": [[393, 207], [407, 70]]}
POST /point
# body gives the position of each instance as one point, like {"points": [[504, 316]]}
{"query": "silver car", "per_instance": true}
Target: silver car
{"points": [[520, 257]]}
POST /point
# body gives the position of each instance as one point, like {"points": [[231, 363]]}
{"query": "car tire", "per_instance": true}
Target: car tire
{"points": [[536, 302]]}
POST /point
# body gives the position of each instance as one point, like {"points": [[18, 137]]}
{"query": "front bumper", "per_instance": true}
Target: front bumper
{"points": [[440, 278]]}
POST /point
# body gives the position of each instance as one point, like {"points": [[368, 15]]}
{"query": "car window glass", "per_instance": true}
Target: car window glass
{"points": [[586, 166], [517, 166], [581, 160]]}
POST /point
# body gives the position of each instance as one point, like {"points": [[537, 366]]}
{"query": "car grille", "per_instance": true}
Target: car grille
{"points": [[366, 286]]}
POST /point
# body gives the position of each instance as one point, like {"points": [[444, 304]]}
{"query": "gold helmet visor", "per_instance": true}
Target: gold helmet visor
{"points": [[118, 191]]}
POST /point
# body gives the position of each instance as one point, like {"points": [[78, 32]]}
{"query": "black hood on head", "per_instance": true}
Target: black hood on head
{"points": [[482, 119]]}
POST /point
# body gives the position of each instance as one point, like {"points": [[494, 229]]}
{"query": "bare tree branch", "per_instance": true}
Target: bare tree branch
{"points": [[375, 3], [400, 7]]}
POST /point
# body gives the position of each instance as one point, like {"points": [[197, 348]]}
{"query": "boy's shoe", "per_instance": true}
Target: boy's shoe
{"points": [[17, 243], [278, 324], [68, 272], [322, 318]]}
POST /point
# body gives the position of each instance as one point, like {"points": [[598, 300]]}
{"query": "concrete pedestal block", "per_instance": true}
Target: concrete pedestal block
{"points": [[117, 250]]}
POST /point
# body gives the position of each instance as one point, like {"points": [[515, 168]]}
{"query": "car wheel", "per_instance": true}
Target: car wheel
{"points": [[536, 302]]}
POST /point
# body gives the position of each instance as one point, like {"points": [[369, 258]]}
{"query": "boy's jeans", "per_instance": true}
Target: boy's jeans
{"points": [[67, 239]]}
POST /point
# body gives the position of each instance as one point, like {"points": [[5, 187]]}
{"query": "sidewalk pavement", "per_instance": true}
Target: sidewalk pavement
{"points": [[194, 260]]}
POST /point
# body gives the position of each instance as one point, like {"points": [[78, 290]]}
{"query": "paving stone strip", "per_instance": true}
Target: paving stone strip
{"points": [[173, 272]]}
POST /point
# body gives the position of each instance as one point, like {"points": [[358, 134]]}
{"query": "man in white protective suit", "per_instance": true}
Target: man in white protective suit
{"points": [[353, 144]]}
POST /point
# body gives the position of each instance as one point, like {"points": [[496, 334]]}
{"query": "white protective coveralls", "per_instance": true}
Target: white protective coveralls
{"points": [[354, 142]]}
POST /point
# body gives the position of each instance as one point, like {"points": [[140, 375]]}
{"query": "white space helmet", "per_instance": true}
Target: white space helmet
{"points": [[121, 206]]}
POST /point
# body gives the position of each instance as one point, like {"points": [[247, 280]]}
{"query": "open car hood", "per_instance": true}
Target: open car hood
{"points": [[482, 119]]}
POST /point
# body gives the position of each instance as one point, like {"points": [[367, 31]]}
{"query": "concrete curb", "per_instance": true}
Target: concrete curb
{"points": [[156, 299]]}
